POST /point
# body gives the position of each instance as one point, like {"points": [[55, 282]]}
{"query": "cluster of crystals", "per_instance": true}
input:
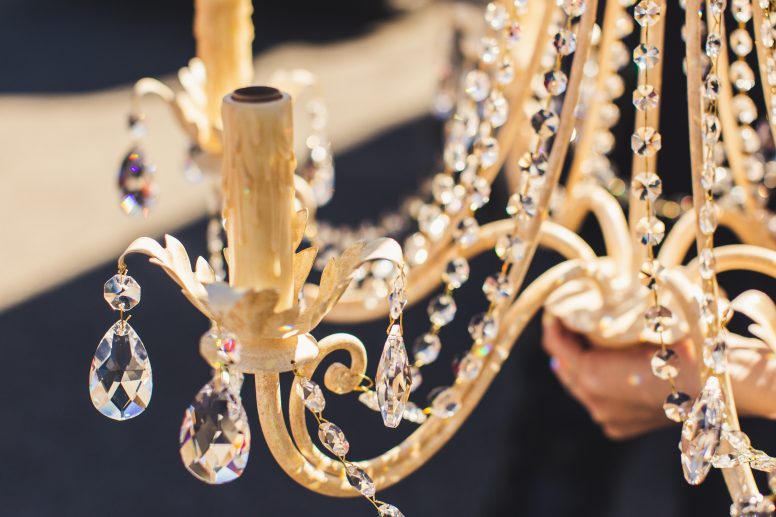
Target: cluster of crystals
{"points": [[215, 437], [741, 452], [647, 186], [318, 168], [471, 145], [600, 89], [120, 380], [393, 381], [334, 440], [136, 183]]}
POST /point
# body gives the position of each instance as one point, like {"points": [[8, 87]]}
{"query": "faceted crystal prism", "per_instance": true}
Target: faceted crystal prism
{"points": [[120, 381], [645, 97], [311, 394], [215, 438], [360, 480], [677, 406], [701, 432], [441, 310], [665, 364], [332, 437], [394, 379], [122, 292], [646, 56], [388, 510], [456, 273], [647, 186], [646, 141], [650, 230], [136, 184]]}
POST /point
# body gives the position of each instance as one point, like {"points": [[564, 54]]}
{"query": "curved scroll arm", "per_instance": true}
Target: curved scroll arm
{"points": [[305, 464]]}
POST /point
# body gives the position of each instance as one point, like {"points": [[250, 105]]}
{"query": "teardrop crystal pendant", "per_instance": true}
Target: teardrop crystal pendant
{"points": [[120, 381], [701, 432], [394, 378], [136, 183], [215, 438]]}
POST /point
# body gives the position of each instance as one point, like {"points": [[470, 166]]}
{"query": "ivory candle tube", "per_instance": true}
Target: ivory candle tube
{"points": [[224, 33], [258, 187]]}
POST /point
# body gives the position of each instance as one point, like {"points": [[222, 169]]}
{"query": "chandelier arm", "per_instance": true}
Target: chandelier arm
{"points": [[636, 207], [582, 147], [560, 146], [740, 257], [739, 480], [679, 240], [731, 136], [762, 60], [423, 279], [184, 112], [321, 474]]}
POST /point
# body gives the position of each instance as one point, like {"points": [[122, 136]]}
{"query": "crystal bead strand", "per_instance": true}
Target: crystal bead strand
{"points": [[647, 187], [445, 401], [702, 428], [334, 440]]}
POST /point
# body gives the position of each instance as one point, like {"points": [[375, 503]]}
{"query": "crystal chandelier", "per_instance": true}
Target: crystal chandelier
{"points": [[537, 103]]}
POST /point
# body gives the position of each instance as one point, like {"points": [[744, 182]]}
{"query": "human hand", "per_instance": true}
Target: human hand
{"points": [[616, 386]]}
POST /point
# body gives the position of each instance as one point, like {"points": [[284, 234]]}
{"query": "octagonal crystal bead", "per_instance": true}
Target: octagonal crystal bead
{"points": [[565, 42], [482, 327], [426, 348], [311, 394], [715, 354], [441, 310], [646, 141], [665, 364], [477, 85], [555, 82], [657, 318], [122, 292], [677, 406], [647, 186], [545, 123], [646, 56], [446, 403], [360, 480], [456, 273], [647, 13], [466, 231], [645, 97], [650, 231]]}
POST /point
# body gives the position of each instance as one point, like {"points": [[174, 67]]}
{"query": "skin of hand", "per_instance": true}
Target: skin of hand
{"points": [[622, 395]]}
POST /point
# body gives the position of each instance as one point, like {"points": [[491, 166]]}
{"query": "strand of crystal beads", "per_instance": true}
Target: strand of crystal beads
{"points": [[333, 439], [471, 144], [702, 429], [647, 187], [470, 148], [596, 164], [483, 328], [768, 39]]}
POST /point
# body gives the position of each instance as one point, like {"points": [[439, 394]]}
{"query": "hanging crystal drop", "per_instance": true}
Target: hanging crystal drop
{"points": [[215, 437], [394, 378], [426, 348], [701, 432], [332, 437], [122, 292], [360, 480], [120, 381], [710, 129], [711, 87], [136, 184], [388, 510], [311, 394]]}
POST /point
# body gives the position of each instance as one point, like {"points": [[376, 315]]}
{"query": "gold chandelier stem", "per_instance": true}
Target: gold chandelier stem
{"points": [[758, 15]]}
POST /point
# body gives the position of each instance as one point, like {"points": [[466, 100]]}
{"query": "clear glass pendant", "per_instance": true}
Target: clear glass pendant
{"points": [[215, 438], [120, 381], [394, 379]]}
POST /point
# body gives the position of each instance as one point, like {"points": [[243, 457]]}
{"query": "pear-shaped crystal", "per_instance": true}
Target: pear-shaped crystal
{"points": [[394, 378], [701, 432], [388, 510], [333, 438], [136, 184], [311, 394], [120, 381], [122, 292], [360, 480], [215, 438]]}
